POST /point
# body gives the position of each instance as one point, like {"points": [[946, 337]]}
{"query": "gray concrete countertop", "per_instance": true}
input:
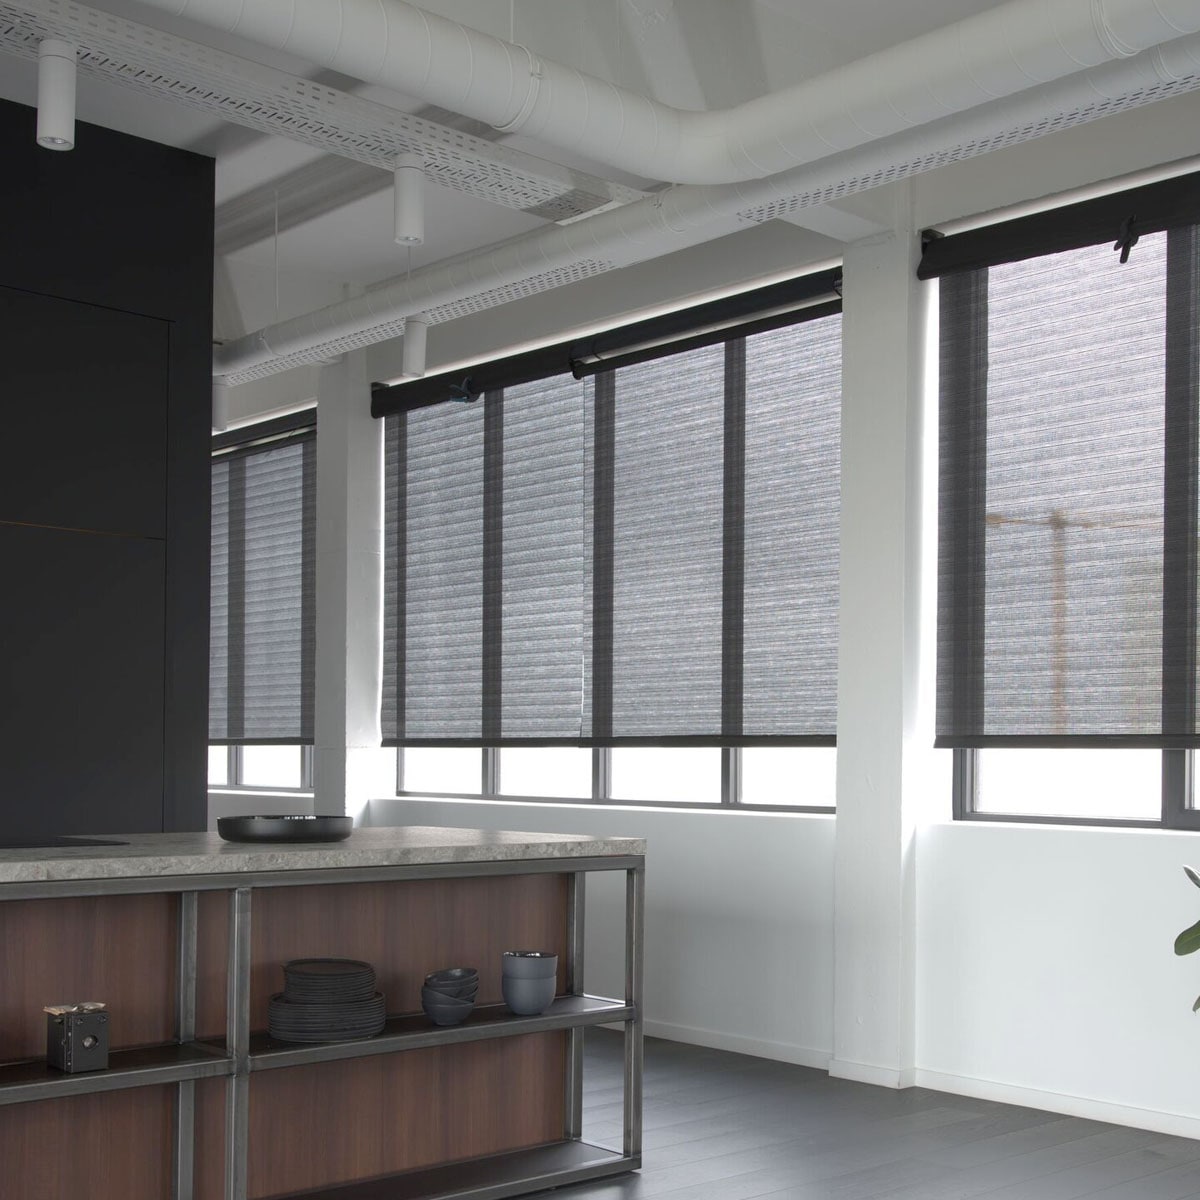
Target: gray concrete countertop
{"points": [[155, 854]]}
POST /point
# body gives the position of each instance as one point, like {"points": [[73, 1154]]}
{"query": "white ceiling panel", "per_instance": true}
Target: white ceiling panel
{"points": [[333, 191]]}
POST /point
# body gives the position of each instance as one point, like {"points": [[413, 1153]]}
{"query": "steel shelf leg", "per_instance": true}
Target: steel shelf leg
{"points": [[635, 906], [575, 925], [237, 1040], [185, 1031]]}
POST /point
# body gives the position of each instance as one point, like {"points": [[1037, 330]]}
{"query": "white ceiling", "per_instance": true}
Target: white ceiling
{"points": [[334, 214], [690, 53]]}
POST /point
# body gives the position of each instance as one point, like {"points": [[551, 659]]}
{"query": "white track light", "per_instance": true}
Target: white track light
{"points": [[56, 95], [220, 406], [409, 200], [412, 358]]}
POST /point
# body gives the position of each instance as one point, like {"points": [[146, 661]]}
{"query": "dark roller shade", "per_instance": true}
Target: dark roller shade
{"points": [[433, 628], [793, 510], [1067, 594], [647, 555], [263, 592]]}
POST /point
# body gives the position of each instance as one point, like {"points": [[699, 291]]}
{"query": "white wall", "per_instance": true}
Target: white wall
{"points": [[1046, 974], [1043, 965], [739, 916]]}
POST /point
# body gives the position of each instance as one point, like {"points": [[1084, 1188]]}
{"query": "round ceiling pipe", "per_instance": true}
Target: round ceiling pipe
{"points": [[56, 95], [1000, 52], [686, 216]]}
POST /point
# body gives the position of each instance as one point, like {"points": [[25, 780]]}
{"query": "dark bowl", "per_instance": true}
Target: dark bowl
{"points": [[446, 1012], [455, 975], [441, 1000], [459, 982], [299, 828], [529, 964], [463, 993], [527, 997]]}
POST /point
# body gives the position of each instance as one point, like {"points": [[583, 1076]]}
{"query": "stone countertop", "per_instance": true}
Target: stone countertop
{"points": [[167, 854]]}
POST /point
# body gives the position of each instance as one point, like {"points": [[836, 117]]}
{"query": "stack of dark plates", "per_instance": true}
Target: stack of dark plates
{"points": [[326, 1000]]}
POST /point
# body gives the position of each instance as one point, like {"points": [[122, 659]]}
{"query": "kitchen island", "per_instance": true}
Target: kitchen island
{"points": [[183, 936]]}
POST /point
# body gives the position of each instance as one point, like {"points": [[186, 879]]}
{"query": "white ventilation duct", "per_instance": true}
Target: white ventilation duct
{"points": [[997, 53], [686, 216]]}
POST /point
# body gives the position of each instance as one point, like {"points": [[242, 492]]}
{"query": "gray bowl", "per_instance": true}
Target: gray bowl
{"points": [[462, 991], [529, 964], [459, 982], [441, 1000], [527, 997], [443, 1014], [453, 975]]}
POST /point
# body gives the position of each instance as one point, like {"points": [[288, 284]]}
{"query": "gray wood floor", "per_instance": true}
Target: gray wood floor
{"points": [[722, 1126]]}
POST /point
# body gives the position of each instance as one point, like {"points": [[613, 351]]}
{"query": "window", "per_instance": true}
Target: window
{"points": [[1069, 483], [271, 768], [262, 605], [614, 584]]}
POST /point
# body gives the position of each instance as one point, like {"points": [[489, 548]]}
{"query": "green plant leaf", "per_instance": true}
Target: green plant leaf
{"points": [[1188, 942], [1192, 875]]}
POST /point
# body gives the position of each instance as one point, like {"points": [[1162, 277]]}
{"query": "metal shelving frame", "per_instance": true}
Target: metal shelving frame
{"points": [[184, 1061]]}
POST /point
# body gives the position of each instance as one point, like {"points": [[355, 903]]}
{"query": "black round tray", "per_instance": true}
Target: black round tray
{"points": [[285, 829]]}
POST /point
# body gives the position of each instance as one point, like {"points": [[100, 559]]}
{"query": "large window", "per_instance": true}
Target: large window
{"points": [[623, 586], [796, 777], [1068, 579], [262, 606]]}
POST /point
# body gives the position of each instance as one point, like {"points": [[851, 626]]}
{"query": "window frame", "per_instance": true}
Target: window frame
{"points": [[1164, 206], [263, 433], [233, 770], [1177, 811], [809, 296], [491, 787]]}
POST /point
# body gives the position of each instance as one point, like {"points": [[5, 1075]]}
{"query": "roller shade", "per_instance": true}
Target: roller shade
{"points": [[1067, 594], [648, 555], [263, 590]]}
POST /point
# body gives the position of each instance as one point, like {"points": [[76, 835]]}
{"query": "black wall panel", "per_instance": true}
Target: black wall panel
{"points": [[85, 432], [105, 370], [81, 640]]}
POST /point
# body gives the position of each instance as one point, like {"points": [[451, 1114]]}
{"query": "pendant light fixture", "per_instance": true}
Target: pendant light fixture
{"points": [[220, 405], [409, 200], [56, 95], [412, 358]]}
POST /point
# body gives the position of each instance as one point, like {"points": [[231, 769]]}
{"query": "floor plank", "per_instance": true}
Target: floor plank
{"points": [[722, 1126]]}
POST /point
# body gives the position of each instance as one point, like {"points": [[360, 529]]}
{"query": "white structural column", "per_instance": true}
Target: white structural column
{"points": [[884, 736], [349, 768]]}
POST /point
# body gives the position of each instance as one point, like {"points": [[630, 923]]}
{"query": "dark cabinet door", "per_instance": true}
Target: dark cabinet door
{"points": [[81, 683], [84, 410]]}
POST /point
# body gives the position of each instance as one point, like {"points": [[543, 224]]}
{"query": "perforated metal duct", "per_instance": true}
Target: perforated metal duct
{"points": [[686, 216], [997, 53]]}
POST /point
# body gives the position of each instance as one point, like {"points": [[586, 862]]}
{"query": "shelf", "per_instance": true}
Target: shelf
{"points": [[414, 1031], [491, 1178], [34, 1080]]}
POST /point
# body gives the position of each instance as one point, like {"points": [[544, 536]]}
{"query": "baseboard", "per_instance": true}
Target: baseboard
{"points": [[801, 1056], [860, 1072], [1174, 1124]]}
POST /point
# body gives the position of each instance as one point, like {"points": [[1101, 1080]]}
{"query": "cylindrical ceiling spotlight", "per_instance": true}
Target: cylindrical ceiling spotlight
{"points": [[412, 357], [409, 200], [56, 95], [220, 405]]}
